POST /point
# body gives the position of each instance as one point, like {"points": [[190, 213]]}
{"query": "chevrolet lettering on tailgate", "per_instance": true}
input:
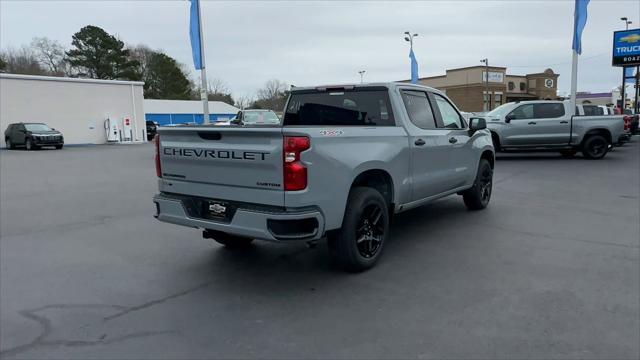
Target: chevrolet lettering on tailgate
{"points": [[215, 154]]}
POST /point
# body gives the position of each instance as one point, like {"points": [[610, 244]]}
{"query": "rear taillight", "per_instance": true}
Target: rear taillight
{"points": [[156, 140], [295, 173]]}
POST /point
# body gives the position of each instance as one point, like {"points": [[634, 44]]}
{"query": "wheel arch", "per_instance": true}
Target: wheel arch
{"points": [[378, 179], [599, 131], [490, 157], [495, 138]]}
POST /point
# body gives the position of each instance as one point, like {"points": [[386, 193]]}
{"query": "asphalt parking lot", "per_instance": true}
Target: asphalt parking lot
{"points": [[550, 270]]}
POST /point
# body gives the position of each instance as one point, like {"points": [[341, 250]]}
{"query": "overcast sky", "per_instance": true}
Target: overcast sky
{"points": [[307, 43]]}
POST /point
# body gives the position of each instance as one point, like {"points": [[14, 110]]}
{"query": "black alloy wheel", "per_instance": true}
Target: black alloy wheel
{"points": [[595, 147], [479, 195], [360, 242], [370, 231]]}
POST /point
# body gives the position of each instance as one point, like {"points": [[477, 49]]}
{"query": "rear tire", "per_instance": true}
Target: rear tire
{"points": [[595, 147], [59, 147], [232, 241], [478, 196], [358, 245], [10, 145]]}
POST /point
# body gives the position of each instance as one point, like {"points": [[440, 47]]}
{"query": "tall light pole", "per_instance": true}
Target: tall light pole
{"points": [[409, 38], [361, 72], [627, 22], [414, 64], [486, 85]]}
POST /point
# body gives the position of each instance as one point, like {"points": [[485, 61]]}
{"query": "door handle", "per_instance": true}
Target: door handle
{"points": [[532, 122], [419, 142], [453, 140], [564, 122]]}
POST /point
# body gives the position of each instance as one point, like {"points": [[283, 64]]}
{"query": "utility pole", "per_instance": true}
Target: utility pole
{"points": [[486, 107], [204, 91], [637, 90], [361, 72], [623, 103]]}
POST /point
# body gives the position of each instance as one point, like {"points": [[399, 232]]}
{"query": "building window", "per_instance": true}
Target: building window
{"points": [[497, 100], [511, 86], [522, 86], [486, 106]]}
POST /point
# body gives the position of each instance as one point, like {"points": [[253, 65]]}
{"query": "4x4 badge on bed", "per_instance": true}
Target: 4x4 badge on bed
{"points": [[331, 132]]}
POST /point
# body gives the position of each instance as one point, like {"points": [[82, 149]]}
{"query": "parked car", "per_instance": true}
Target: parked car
{"points": [[545, 125], [152, 129], [345, 159], [253, 117], [634, 120], [32, 136]]}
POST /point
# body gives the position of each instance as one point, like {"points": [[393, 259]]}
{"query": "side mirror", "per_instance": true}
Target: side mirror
{"points": [[236, 122], [476, 124], [509, 117]]}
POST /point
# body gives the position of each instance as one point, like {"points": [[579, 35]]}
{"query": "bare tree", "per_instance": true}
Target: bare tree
{"points": [[219, 91], [218, 86], [272, 96], [243, 102], [22, 61], [142, 54], [50, 55]]}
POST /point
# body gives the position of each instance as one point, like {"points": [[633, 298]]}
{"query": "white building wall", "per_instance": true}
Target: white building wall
{"points": [[76, 107]]}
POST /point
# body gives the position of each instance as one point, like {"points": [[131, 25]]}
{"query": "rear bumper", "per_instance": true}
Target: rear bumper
{"points": [[248, 221]]}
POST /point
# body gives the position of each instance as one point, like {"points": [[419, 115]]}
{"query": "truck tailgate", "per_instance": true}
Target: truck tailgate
{"points": [[240, 164]]}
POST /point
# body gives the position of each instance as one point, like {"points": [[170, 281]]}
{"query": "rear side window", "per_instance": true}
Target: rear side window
{"points": [[547, 111], [359, 107], [419, 109]]}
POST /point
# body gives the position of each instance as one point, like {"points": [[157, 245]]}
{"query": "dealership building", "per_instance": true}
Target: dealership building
{"points": [[468, 89], [172, 112]]}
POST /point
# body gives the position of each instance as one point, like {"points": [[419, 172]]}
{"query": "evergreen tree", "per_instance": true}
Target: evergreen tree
{"points": [[99, 55]]}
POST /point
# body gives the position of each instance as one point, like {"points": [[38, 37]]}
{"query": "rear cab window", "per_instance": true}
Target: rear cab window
{"points": [[548, 111], [419, 109], [358, 106], [592, 110]]}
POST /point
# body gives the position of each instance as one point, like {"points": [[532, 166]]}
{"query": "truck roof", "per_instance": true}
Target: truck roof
{"points": [[389, 85]]}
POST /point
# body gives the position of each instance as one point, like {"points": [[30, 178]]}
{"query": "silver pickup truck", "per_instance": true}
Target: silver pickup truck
{"points": [[343, 161], [545, 125]]}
